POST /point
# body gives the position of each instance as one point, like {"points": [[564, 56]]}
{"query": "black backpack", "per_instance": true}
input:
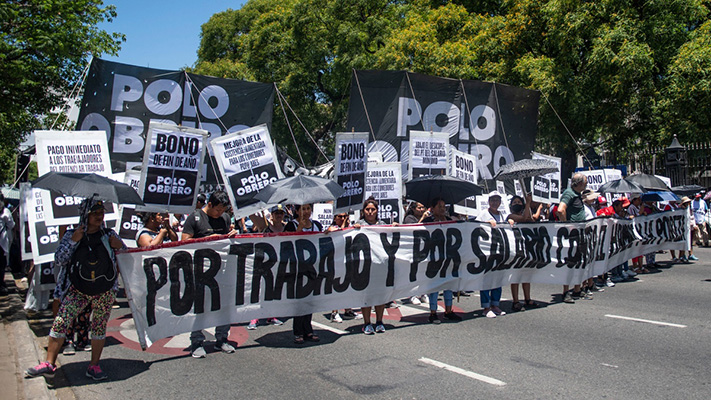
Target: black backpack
{"points": [[92, 270]]}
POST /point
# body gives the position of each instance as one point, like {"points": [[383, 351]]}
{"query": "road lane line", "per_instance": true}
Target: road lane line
{"points": [[649, 321], [464, 372], [609, 365], [328, 328]]}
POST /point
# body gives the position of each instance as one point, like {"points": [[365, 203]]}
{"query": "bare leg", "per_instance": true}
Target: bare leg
{"points": [[514, 292], [97, 346], [53, 347], [366, 314], [379, 311], [526, 292]]}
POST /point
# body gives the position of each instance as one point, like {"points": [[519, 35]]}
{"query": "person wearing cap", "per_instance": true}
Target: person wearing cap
{"points": [[92, 241], [571, 208], [490, 298], [699, 208]]}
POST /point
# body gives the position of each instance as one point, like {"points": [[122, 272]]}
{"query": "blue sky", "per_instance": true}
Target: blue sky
{"points": [[162, 34]]}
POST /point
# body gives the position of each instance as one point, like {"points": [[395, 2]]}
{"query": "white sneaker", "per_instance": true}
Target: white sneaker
{"points": [[198, 352], [358, 316], [414, 300], [336, 317], [225, 347], [425, 299], [490, 314], [609, 283]]}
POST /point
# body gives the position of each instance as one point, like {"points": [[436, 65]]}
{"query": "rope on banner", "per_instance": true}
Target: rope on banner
{"points": [[288, 124], [302, 125], [566, 128], [72, 95], [498, 112], [476, 142], [362, 99], [197, 115]]}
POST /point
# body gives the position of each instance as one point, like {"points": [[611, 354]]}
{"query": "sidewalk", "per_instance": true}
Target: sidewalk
{"points": [[18, 350]]}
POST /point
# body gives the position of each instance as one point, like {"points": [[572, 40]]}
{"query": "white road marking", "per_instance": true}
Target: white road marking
{"points": [[649, 321], [328, 328], [464, 372], [609, 365]]}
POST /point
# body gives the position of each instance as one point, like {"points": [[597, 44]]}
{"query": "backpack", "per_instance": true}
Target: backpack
{"points": [[91, 270]]}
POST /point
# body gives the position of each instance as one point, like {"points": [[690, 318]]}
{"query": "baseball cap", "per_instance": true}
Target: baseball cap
{"points": [[495, 194], [98, 205], [276, 208], [602, 200]]}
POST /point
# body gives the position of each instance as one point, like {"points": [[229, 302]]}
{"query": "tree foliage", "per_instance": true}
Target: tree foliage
{"points": [[616, 74], [44, 46]]}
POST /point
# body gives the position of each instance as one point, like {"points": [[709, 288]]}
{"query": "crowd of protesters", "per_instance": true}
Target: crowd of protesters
{"points": [[78, 312]]}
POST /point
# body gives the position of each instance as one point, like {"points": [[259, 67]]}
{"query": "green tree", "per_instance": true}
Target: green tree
{"points": [[44, 46], [614, 74]]}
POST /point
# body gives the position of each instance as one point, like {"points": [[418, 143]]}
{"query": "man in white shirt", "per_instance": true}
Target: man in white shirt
{"points": [[699, 208]]}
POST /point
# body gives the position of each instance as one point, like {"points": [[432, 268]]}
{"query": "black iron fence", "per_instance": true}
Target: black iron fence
{"points": [[652, 160]]}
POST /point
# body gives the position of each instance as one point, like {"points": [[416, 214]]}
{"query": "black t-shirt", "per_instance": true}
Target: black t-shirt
{"points": [[199, 225], [293, 225]]}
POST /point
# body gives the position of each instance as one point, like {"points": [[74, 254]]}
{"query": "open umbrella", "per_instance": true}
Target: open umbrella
{"points": [[687, 190], [450, 189], [649, 182], [300, 189], [88, 185], [621, 186], [525, 168], [660, 196]]}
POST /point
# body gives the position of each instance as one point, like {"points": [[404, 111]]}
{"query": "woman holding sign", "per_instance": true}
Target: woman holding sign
{"points": [[521, 212], [303, 223]]}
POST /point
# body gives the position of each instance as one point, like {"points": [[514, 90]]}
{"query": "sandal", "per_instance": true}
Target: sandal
{"points": [[313, 338], [299, 339], [530, 304], [517, 306]]}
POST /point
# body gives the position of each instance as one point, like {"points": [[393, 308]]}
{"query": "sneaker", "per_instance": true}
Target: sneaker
{"points": [[69, 349], [597, 288], [425, 299], [490, 314], [609, 283], [252, 324], [434, 319], [336, 317], [45, 369], [224, 347], [567, 298], [631, 273], [588, 292], [198, 351], [94, 372], [684, 260], [452, 316], [577, 295], [349, 314], [497, 311], [275, 321], [392, 304], [676, 260], [693, 258], [586, 295], [616, 279], [368, 329], [358, 316], [380, 328], [414, 300]]}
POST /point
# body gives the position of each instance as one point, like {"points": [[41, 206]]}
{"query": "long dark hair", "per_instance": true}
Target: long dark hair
{"points": [[370, 200]]}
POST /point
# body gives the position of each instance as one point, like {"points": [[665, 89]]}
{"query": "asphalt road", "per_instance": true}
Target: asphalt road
{"points": [[553, 352]]}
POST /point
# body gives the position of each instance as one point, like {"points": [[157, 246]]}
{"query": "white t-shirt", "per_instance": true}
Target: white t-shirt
{"points": [[486, 216]]}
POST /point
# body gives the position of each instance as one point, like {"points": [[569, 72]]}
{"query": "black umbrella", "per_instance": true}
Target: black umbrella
{"points": [[88, 185], [621, 186], [649, 182], [300, 189], [525, 168], [450, 189], [687, 190]]}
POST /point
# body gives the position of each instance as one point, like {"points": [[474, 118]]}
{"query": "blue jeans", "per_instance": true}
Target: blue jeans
{"points": [[221, 334], [490, 297], [447, 299]]}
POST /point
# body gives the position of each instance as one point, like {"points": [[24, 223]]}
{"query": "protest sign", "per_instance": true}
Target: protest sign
{"points": [[323, 213], [248, 163], [185, 286], [171, 168], [546, 188], [384, 184], [123, 99], [429, 153], [496, 122], [44, 238], [129, 221], [464, 166], [25, 203], [351, 165]]}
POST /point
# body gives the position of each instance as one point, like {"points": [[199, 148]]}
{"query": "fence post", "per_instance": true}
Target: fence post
{"points": [[675, 163]]}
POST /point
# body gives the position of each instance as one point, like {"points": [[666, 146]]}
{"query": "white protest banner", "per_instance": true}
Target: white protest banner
{"points": [[547, 188], [185, 286], [44, 239], [170, 175], [351, 165], [384, 184], [129, 222], [248, 163], [429, 153], [25, 203], [73, 152], [323, 213]]}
